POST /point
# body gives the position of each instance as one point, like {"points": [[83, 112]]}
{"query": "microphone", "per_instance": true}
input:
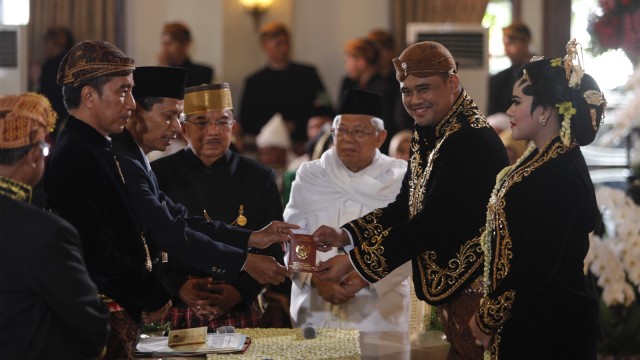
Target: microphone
{"points": [[225, 330], [309, 331]]}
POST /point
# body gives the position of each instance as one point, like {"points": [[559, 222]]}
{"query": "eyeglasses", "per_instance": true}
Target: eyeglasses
{"points": [[222, 124], [357, 133], [44, 146]]}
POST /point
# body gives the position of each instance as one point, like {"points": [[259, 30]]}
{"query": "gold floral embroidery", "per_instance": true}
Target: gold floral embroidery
{"points": [[497, 264], [370, 257], [443, 281], [439, 283], [493, 313], [419, 175]]}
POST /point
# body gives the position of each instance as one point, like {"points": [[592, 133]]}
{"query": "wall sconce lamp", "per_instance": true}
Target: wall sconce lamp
{"points": [[256, 8]]}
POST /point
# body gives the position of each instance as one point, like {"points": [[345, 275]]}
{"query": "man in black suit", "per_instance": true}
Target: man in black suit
{"points": [[83, 186], [176, 40], [49, 306], [190, 239]]}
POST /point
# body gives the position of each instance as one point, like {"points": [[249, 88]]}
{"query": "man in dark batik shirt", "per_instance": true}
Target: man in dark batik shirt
{"points": [[208, 178], [437, 217]]}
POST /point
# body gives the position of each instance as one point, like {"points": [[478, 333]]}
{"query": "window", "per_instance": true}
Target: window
{"points": [[497, 16], [610, 69], [14, 12]]}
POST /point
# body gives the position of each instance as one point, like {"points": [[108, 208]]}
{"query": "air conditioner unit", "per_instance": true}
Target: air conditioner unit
{"points": [[469, 45], [13, 59]]}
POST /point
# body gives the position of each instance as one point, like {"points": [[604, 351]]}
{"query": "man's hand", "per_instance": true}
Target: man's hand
{"points": [[195, 293], [331, 292], [276, 231], [326, 237], [149, 317], [482, 339], [334, 269], [354, 282], [225, 297], [265, 269]]}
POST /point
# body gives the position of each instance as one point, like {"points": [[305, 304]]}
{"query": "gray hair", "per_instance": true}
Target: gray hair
{"points": [[375, 121]]}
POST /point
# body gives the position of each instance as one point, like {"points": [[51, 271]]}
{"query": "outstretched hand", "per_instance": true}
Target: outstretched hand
{"points": [[334, 269], [327, 237], [353, 282], [265, 269], [331, 292], [276, 231]]}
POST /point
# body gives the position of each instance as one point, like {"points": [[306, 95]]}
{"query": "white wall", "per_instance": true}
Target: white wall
{"points": [[532, 15], [224, 34], [145, 19], [321, 28]]}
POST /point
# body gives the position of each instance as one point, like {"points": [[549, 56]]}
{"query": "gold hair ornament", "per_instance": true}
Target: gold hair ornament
{"points": [[525, 76], [595, 98], [573, 65]]}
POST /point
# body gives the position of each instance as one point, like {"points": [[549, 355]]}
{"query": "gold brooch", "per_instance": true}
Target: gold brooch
{"points": [[241, 219], [404, 67]]}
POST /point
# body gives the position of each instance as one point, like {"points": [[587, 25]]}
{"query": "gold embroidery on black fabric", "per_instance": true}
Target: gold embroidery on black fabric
{"points": [[419, 175], [371, 234], [443, 281], [14, 189], [439, 283], [494, 313], [495, 347], [503, 244]]}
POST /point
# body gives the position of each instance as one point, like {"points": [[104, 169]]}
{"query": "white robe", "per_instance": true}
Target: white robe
{"points": [[325, 192]]}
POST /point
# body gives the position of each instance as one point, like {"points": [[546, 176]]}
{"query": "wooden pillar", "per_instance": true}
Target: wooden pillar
{"points": [[557, 27]]}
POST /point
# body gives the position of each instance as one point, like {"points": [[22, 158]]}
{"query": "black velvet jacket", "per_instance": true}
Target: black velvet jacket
{"points": [[83, 187], [437, 217], [543, 213], [48, 303]]}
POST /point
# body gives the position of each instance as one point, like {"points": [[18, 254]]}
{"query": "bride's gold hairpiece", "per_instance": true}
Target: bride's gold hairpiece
{"points": [[572, 64]]}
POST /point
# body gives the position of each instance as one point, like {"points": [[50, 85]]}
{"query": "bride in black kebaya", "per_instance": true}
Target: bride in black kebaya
{"points": [[536, 303]]}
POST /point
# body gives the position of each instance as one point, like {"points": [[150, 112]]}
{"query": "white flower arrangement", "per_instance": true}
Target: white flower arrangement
{"points": [[615, 260]]}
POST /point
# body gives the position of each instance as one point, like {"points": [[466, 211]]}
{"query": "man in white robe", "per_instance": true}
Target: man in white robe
{"points": [[348, 181]]}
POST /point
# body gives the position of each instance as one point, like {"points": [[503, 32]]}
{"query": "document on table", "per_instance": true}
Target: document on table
{"points": [[216, 343]]}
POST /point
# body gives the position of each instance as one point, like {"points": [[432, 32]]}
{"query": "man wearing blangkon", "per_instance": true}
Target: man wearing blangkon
{"points": [[436, 218], [86, 186]]}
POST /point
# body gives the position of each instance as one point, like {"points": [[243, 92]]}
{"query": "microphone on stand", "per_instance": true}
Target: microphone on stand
{"points": [[309, 331]]}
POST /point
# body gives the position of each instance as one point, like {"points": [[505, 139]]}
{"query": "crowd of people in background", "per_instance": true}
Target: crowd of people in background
{"points": [[162, 201]]}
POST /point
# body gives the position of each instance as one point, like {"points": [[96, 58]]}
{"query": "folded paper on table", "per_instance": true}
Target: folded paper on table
{"points": [[215, 343]]}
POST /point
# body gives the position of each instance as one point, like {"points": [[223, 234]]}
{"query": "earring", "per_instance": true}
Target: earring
{"points": [[542, 120]]}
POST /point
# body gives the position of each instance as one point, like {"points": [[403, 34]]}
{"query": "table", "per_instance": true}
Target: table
{"points": [[389, 345]]}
